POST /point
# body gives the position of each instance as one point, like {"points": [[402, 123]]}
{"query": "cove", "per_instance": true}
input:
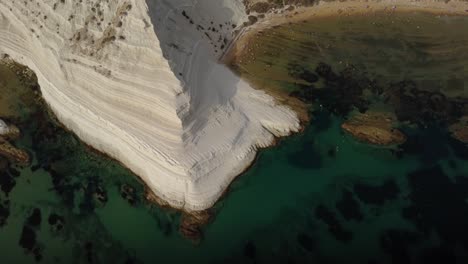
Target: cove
{"points": [[317, 197]]}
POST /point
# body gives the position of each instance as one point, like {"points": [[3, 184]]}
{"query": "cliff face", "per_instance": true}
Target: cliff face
{"points": [[139, 80]]}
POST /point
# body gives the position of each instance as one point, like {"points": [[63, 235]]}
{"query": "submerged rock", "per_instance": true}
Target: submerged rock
{"points": [[414, 104], [35, 219], [349, 207], [396, 243], [439, 205], [374, 128], [306, 241], [128, 193], [56, 222], [333, 224], [377, 195], [100, 194], [28, 238], [4, 212], [250, 250], [191, 224], [7, 183], [13, 154], [460, 130]]}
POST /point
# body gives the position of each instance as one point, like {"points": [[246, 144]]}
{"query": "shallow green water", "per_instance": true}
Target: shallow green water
{"points": [[277, 212]]}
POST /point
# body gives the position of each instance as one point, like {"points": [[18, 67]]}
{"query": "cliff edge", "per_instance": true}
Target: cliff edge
{"points": [[140, 81]]}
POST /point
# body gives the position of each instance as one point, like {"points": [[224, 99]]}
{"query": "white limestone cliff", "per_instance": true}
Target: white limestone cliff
{"points": [[139, 80]]}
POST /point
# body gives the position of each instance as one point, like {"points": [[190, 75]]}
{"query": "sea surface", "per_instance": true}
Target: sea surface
{"points": [[320, 196]]}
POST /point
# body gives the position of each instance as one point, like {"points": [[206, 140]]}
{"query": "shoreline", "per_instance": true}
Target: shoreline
{"points": [[320, 10], [361, 7], [338, 8], [196, 220], [28, 77], [323, 9], [150, 114], [290, 16]]}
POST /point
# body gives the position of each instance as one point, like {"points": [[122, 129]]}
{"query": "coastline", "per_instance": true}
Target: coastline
{"points": [[325, 9], [192, 220], [29, 78], [338, 8], [142, 100], [185, 175], [307, 12], [360, 7], [347, 8]]}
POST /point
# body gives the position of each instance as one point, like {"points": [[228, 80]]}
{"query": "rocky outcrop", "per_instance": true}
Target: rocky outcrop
{"points": [[192, 223], [460, 130], [375, 128], [8, 132], [12, 153], [7, 150]]}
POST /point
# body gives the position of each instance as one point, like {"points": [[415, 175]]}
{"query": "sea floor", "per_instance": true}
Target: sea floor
{"points": [[317, 197]]}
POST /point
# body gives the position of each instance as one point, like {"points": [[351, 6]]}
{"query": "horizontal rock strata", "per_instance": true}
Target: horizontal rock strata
{"points": [[139, 80]]}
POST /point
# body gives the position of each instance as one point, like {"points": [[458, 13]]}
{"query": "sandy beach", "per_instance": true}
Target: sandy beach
{"points": [[343, 8], [241, 46]]}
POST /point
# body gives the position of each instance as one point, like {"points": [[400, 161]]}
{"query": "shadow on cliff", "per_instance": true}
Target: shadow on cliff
{"points": [[182, 30]]}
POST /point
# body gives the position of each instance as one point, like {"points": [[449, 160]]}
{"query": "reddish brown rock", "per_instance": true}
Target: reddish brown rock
{"points": [[13, 133], [191, 224], [460, 130], [151, 197], [375, 128], [13, 154]]}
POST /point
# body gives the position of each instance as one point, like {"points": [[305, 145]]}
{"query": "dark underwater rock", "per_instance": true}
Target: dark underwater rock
{"points": [[307, 157], [423, 107], [306, 241], [7, 182], [439, 204], [436, 255], [348, 207], [298, 72], [396, 243], [429, 153], [250, 250], [100, 194], [128, 193], [4, 212], [35, 218], [334, 226], [325, 71], [56, 221], [341, 92], [376, 195], [28, 238]]}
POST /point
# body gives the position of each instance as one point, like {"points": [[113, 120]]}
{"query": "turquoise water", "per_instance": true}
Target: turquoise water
{"points": [[316, 197]]}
